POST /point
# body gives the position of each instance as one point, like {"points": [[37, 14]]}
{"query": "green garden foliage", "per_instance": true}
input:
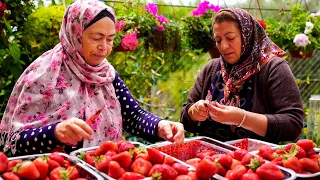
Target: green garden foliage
{"points": [[13, 56], [41, 31]]}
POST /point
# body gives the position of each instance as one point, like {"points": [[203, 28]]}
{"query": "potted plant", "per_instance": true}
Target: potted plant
{"points": [[156, 31], [197, 28], [126, 38], [300, 35]]}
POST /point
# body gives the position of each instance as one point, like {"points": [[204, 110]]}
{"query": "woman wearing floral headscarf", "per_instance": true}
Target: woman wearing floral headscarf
{"points": [[249, 91], [62, 89]]}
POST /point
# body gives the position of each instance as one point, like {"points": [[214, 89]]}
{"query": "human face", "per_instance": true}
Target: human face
{"points": [[97, 41], [228, 40]]}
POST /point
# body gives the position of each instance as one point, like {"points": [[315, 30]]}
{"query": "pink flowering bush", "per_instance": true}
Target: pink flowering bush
{"points": [[130, 42], [197, 27], [301, 34]]}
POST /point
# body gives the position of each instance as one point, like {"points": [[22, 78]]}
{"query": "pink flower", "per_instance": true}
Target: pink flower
{"points": [[120, 25], [162, 19], [301, 40], [48, 94], [130, 41], [3, 7], [203, 8], [151, 8], [160, 28]]}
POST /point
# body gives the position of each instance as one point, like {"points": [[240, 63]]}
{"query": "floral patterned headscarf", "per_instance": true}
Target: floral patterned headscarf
{"points": [[60, 85], [256, 50]]}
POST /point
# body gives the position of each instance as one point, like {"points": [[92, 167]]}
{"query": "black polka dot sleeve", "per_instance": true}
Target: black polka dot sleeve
{"points": [[38, 140], [136, 120]]}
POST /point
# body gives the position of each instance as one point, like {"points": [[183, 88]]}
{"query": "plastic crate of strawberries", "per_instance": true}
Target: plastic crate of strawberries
{"points": [[129, 161], [215, 158], [302, 157], [249, 144], [53, 166]]}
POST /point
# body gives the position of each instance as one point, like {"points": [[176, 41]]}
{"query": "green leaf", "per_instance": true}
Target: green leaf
{"points": [[15, 51]]}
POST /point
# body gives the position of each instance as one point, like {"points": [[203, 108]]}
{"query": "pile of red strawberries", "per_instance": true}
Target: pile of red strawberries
{"points": [[300, 156], [52, 167], [126, 162]]}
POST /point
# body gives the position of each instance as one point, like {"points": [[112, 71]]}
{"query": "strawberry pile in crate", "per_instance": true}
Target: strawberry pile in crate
{"points": [[131, 161], [302, 157], [212, 158], [54, 166]]}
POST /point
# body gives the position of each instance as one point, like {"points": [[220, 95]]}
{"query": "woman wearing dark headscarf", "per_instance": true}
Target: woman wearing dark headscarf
{"points": [[63, 88], [249, 91]]}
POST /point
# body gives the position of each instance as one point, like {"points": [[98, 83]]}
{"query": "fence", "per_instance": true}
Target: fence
{"points": [[171, 94]]}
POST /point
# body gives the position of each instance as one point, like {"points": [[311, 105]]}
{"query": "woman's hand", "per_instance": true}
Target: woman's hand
{"points": [[72, 131], [198, 111], [171, 131], [225, 114]]}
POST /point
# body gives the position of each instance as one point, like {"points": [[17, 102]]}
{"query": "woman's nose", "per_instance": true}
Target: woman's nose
{"points": [[103, 46], [224, 45]]}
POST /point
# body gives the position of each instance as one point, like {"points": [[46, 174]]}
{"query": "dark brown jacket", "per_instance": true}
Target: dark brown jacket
{"points": [[276, 95]]}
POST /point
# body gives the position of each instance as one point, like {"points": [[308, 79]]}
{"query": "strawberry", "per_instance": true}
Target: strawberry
{"points": [[115, 170], [10, 176], [3, 162], [301, 153], [155, 157], [292, 163], [141, 166], [59, 173], [250, 175], [255, 162], [110, 153], [164, 171], [106, 146], [42, 166], [27, 170], [221, 170], [246, 159], [123, 158], [13, 163], [102, 163], [288, 147], [266, 152], [277, 161], [180, 168], [73, 172], [239, 154], [227, 176], [52, 164], [205, 153], [132, 176], [225, 160], [193, 162], [168, 160], [88, 157], [206, 168], [234, 163], [314, 157], [57, 157], [310, 152], [309, 165], [193, 175], [125, 146], [269, 171], [306, 144], [238, 171], [183, 177]]}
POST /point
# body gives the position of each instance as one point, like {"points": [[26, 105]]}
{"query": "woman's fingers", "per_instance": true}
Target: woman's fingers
{"points": [[72, 131], [77, 130]]}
